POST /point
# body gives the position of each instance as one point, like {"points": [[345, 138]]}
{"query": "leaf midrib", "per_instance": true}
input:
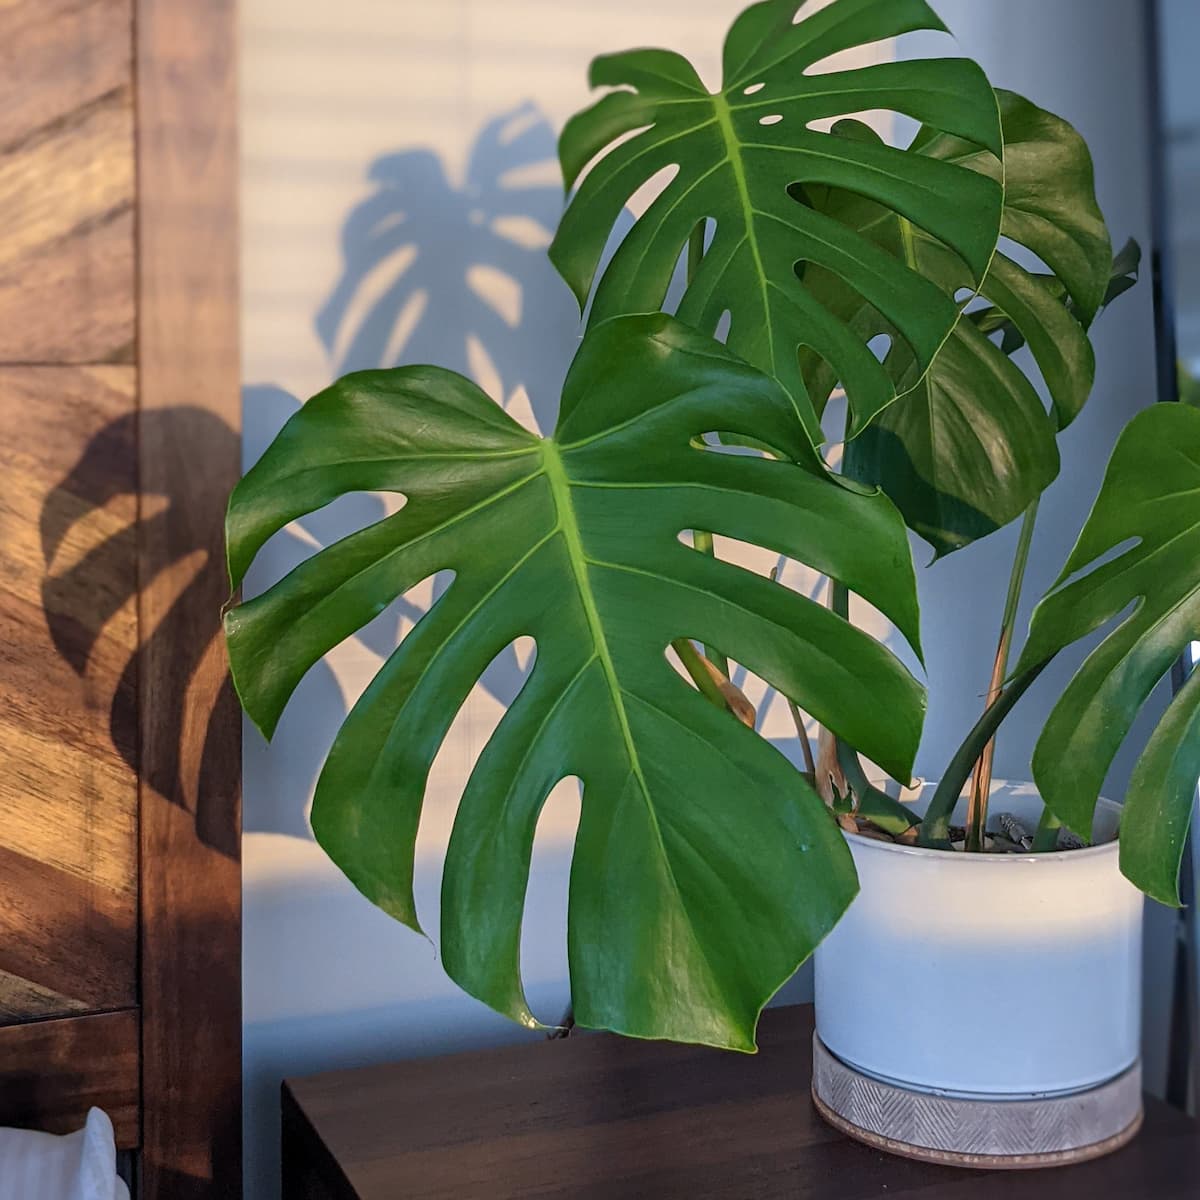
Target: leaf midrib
{"points": [[568, 526], [733, 154]]}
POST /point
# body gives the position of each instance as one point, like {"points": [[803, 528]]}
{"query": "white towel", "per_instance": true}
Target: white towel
{"points": [[75, 1166]]}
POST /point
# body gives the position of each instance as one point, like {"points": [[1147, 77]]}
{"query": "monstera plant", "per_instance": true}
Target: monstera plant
{"points": [[707, 866]]}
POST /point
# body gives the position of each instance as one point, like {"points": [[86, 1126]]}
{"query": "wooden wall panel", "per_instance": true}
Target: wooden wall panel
{"points": [[52, 1072], [68, 637], [190, 456], [66, 181], [120, 756]]}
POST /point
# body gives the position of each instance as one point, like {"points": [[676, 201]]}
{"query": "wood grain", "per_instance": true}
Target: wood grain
{"points": [[191, 750], [66, 181], [52, 1072], [68, 790], [603, 1118]]}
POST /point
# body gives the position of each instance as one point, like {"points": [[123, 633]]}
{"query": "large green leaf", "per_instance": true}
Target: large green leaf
{"points": [[705, 867], [1151, 497], [740, 154], [968, 445], [1122, 277]]}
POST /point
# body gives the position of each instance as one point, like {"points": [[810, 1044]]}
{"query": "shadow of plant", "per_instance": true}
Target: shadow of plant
{"points": [[77, 610], [458, 275]]}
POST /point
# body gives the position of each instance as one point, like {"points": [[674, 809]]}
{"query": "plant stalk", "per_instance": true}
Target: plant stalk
{"points": [[1046, 837], [831, 780], [695, 249], [810, 766], [700, 675], [981, 782], [935, 829]]}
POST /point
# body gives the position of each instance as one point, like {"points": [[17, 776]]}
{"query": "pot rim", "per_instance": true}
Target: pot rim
{"points": [[1048, 859]]}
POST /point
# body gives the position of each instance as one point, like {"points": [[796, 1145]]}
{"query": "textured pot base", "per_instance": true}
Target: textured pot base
{"points": [[986, 1134]]}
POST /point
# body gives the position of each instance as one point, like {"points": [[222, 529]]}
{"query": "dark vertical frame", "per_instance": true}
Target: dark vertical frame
{"points": [[189, 459]]}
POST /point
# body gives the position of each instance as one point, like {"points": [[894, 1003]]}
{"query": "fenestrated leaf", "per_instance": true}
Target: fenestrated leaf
{"points": [[705, 866], [1122, 276], [737, 170], [968, 445], [1151, 495], [1159, 800]]}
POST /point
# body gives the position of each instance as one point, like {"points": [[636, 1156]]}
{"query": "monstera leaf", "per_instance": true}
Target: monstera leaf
{"points": [[742, 158], [969, 445], [1122, 277], [705, 867], [1150, 496]]}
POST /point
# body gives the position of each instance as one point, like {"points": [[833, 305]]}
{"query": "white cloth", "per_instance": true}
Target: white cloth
{"points": [[75, 1166]]}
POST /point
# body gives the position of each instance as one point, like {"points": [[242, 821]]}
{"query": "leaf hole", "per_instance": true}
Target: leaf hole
{"points": [[880, 346], [679, 275], [753, 89], [609, 147], [1023, 256], [880, 120], [650, 191], [820, 378], [728, 442], [721, 332], [771, 119], [545, 971], [1102, 560]]}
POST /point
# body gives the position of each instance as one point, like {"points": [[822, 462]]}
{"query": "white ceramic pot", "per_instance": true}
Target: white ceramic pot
{"points": [[988, 976]]}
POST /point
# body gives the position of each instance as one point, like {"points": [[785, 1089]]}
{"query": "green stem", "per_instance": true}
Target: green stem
{"points": [[981, 785], [690, 658], [935, 829], [839, 599], [1046, 838], [1016, 579], [810, 765], [695, 250], [877, 807]]}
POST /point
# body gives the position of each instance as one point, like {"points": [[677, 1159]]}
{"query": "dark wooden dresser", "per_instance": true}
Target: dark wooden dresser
{"points": [[600, 1118]]}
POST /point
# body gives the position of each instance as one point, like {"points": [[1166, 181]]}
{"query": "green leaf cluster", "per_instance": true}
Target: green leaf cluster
{"points": [[706, 867]]}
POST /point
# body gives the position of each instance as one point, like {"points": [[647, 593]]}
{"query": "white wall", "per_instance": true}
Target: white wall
{"points": [[450, 108], [1180, 37]]}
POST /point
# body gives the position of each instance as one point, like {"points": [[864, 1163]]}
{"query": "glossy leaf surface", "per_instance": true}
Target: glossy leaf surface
{"points": [[705, 868], [968, 446], [740, 157], [1139, 551]]}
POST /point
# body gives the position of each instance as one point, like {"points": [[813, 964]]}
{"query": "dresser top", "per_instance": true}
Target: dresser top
{"points": [[596, 1117]]}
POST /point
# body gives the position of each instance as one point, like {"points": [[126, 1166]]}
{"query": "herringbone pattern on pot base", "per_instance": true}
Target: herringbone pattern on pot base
{"points": [[977, 1133]]}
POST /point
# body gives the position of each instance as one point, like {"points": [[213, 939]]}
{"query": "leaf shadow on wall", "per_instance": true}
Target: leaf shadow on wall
{"points": [[434, 270], [456, 273], [188, 762]]}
